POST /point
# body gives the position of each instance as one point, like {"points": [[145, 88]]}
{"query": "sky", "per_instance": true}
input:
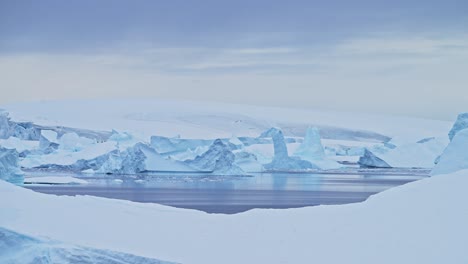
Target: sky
{"points": [[392, 57]]}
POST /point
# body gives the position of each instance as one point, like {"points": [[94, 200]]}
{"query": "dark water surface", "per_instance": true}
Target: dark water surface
{"points": [[233, 194]]}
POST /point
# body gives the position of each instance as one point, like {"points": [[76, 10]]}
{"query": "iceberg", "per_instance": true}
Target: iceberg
{"points": [[19, 248], [48, 142], [4, 125], [455, 156], [9, 168], [281, 160], [460, 124], [369, 160], [137, 159], [311, 149], [218, 159]]}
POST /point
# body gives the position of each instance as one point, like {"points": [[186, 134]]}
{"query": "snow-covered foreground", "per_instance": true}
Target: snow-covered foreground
{"points": [[16, 248], [421, 222]]}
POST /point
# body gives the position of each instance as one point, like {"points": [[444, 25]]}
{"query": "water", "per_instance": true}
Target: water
{"points": [[233, 194]]}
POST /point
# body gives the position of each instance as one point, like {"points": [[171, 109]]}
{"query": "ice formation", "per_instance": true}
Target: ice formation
{"points": [[312, 150], [9, 168], [218, 159], [369, 160], [460, 124], [281, 159], [455, 156], [140, 158]]}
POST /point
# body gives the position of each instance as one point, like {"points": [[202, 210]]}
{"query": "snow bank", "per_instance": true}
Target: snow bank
{"points": [[421, 222], [17, 248]]}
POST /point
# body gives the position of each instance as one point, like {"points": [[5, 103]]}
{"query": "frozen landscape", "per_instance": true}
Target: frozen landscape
{"points": [[194, 155], [233, 132]]}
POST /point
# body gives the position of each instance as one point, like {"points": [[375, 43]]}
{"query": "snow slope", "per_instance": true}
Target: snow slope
{"points": [[20, 249], [421, 222]]}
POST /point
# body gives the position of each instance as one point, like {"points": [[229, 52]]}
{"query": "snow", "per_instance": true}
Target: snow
{"points": [[54, 180], [18, 248], [454, 157], [421, 222], [9, 169]]}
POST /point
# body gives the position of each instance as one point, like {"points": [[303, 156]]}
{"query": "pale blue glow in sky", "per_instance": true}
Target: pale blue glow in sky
{"points": [[383, 56]]}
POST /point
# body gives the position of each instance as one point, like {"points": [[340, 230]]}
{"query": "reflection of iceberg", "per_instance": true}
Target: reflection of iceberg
{"points": [[9, 169], [281, 159]]}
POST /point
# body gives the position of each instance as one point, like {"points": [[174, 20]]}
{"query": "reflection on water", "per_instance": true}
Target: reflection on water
{"points": [[233, 194]]}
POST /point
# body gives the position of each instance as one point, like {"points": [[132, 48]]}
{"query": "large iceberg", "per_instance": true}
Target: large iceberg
{"points": [[312, 150], [369, 160], [9, 168], [19, 248], [311, 147], [455, 156], [460, 124], [281, 160], [218, 159]]}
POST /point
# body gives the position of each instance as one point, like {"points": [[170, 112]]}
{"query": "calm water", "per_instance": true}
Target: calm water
{"points": [[226, 194]]}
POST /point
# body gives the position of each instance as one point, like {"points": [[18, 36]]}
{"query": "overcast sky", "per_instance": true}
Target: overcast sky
{"points": [[400, 57]]}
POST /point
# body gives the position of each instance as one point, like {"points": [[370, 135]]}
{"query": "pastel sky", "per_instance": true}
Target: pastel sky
{"points": [[398, 57]]}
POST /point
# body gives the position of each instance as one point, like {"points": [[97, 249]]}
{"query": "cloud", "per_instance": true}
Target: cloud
{"points": [[393, 74]]}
